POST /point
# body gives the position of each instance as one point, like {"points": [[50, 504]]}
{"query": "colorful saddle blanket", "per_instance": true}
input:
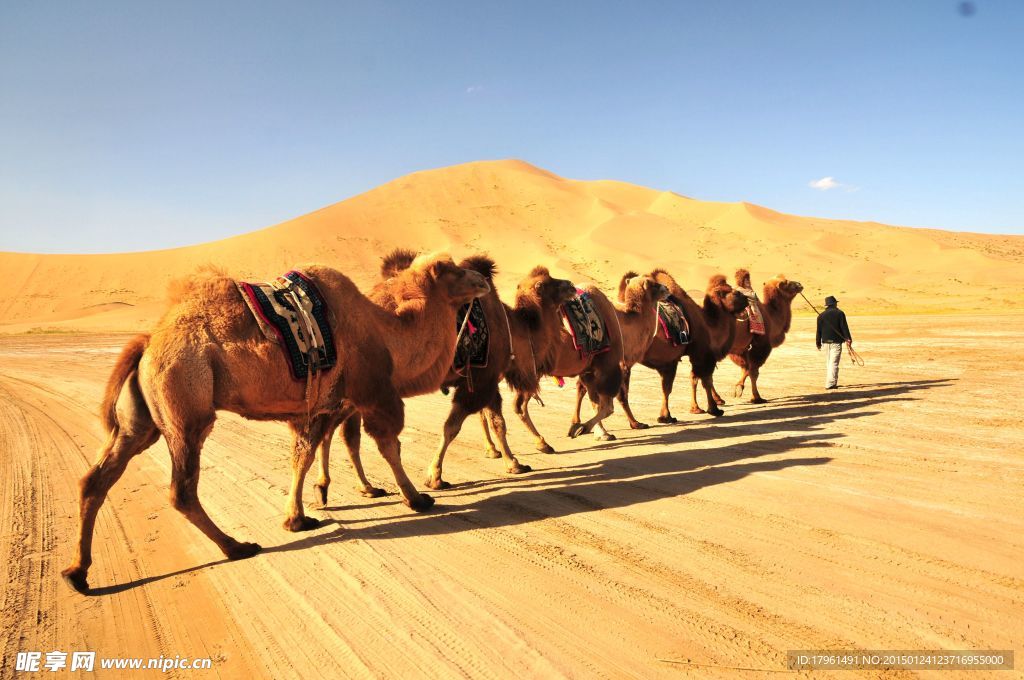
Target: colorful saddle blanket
{"points": [[588, 330], [475, 340], [292, 313], [672, 323], [755, 318]]}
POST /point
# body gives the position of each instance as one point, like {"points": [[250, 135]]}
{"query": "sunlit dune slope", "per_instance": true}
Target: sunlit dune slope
{"points": [[523, 215]]}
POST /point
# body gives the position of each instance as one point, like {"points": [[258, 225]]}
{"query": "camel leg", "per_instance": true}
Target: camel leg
{"points": [[383, 418], [624, 400], [755, 395], [742, 383], [603, 408], [492, 450], [497, 420], [391, 450], [456, 416], [523, 403], [304, 440], [694, 406], [574, 427], [668, 378], [324, 483], [351, 433], [716, 396], [185, 447], [125, 443], [709, 390]]}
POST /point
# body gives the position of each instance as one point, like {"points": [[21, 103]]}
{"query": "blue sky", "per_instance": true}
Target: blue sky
{"points": [[136, 125]]}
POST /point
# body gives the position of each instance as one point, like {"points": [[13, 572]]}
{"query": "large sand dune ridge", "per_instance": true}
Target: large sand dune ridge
{"points": [[523, 215]]}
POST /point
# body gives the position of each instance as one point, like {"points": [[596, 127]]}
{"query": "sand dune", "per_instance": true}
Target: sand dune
{"points": [[589, 230]]}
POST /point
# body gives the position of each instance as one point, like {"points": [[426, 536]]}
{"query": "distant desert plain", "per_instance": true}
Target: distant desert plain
{"points": [[883, 515]]}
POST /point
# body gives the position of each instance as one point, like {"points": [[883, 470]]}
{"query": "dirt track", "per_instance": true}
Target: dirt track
{"points": [[885, 515]]}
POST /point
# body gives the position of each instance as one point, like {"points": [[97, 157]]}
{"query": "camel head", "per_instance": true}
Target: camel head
{"points": [[721, 294], [635, 291], [439, 274], [540, 289], [781, 286]]}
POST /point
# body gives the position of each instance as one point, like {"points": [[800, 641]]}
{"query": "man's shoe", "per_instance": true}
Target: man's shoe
{"points": [[832, 387]]}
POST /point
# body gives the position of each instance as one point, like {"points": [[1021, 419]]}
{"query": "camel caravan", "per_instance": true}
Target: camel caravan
{"points": [[314, 351]]}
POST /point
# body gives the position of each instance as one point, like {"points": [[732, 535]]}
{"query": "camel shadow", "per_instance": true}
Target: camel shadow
{"points": [[617, 482], [559, 492], [798, 413], [611, 483]]}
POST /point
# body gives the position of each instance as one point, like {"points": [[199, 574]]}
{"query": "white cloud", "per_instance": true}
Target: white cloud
{"points": [[824, 184], [473, 89]]}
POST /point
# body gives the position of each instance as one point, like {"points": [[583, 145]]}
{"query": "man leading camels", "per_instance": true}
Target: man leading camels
{"points": [[833, 331]]}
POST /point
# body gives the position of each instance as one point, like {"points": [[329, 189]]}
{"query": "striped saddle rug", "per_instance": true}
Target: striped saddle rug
{"points": [[583, 322], [673, 324], [475, 341], [292, 313]]}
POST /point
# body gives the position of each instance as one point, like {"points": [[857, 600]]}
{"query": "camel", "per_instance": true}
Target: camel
{"points": [[750, 351], [712, 328], [476, 389], [637, 316], [207, 354], [601, 374]]}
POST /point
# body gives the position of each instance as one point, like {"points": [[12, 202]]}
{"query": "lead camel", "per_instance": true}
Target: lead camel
{"points": [[208, 354]]}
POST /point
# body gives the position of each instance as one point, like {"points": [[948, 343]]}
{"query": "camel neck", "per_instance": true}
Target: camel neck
{"points": [[422, 344], [781, 310]]}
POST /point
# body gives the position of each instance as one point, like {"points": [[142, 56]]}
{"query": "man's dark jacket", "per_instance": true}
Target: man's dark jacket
{"points": [[832, 326]]}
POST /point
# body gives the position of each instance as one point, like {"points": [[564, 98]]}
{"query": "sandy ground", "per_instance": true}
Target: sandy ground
{"points": [[884, 515]]}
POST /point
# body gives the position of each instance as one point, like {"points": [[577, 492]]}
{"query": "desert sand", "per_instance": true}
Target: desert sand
{"points": [[884, 515], [589, 231]]}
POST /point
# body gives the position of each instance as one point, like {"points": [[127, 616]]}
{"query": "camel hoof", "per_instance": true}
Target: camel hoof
{"points": [[436, 484], [667, 420], [546, 448], [301, 523], [758, 400], [606, 437], [639, 426], [421, 503], [696, 409], [720, 401], [716, 412], [372, 492], [320, 491], [244, 550], [75, 577], [518, 469], [492, 453], [575, 430]]}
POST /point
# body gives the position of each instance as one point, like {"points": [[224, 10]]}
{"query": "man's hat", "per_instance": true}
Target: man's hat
{"points": [[830, 300]]}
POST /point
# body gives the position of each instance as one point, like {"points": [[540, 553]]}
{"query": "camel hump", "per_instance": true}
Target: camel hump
{"points": [[127, 363], [482, 264], [743, 278], [395, 262], [624, 283]]}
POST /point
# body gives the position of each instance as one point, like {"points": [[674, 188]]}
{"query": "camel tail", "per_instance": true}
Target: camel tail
{"points": [[126, 364]]}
